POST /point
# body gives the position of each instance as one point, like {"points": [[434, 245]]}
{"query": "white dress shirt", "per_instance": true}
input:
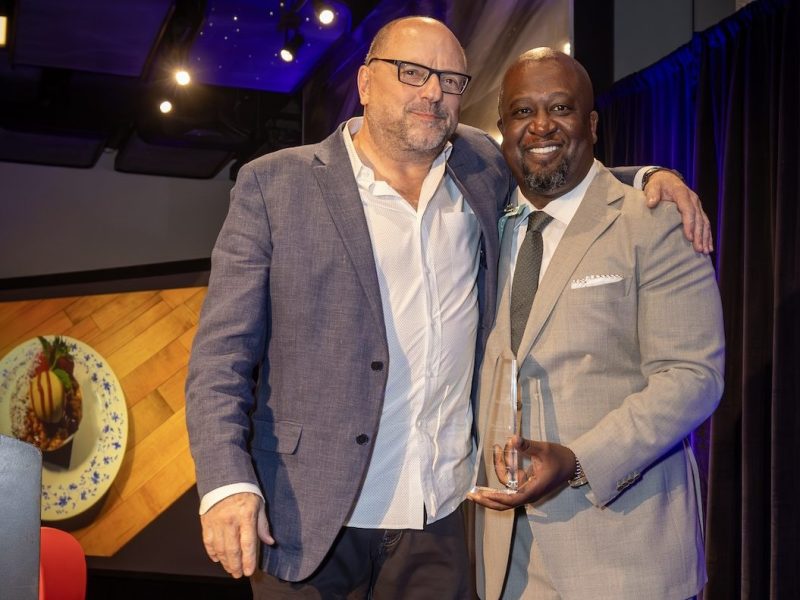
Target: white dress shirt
{"points": [[562, 209], [427, 265]]}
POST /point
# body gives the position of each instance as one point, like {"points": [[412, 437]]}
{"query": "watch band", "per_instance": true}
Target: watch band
{"points": [[579, 479], [653, 170]]}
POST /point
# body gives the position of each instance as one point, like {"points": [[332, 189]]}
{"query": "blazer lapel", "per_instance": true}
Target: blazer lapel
{"points": [[594, 215], [339, 190]]}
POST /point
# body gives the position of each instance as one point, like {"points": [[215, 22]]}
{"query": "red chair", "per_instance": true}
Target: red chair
{"points": [[62, 566]]}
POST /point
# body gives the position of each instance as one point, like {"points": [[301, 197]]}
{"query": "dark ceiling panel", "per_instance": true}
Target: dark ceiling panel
{"points": [[239, 42], [73, 150], [104, 36], [139, 156]]}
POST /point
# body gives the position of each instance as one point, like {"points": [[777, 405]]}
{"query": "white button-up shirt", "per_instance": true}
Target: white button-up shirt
{"points": [[427, 265], [562, 209]]}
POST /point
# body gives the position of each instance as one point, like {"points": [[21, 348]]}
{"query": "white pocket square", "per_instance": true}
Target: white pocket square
{"points": [[594, 280]]}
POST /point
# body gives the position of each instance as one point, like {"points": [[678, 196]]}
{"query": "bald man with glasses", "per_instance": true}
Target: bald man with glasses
{"points": [[353, 285]]}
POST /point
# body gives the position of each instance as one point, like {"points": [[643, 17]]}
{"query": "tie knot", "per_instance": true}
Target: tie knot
{"points": [[538, 220]]}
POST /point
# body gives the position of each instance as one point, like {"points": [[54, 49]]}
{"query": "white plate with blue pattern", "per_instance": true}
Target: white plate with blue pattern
{"points": [[98, 445]]}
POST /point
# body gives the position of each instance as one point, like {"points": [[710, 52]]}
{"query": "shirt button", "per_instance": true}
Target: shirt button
{"points": [[362, 439], [377, 365]]}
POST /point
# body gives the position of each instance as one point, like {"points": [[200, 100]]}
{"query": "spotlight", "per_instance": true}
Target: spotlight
{"points": [[182, 77], [165, 107], [3, 30], [324, 12], [291, 46]]}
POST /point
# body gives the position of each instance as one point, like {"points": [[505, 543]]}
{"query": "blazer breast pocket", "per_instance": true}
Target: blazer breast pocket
{"points": [[606, 292], [276, 436]]}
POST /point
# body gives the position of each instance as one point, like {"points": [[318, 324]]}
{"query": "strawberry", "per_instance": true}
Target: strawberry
{"points": [[40, 364], [66, 363]]}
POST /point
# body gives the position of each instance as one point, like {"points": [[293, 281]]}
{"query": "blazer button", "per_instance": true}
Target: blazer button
{"points": [[377, 365], [362, 439]]}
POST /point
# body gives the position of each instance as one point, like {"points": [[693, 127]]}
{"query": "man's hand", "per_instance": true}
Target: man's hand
{"points": [[231, 530], [551, 465], [665, 185]]}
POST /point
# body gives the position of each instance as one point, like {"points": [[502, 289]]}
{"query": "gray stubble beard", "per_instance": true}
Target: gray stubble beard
{"points": [[548, 182]]}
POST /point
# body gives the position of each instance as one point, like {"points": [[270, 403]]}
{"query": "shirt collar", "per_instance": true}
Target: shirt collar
{"points": [[365, 176], [563, 208]]}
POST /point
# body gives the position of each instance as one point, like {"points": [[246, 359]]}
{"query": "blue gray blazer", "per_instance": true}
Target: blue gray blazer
{"points": [[289, 365]]}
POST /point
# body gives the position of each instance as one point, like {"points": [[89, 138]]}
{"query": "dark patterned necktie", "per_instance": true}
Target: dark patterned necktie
{"points": [[526, 275]]}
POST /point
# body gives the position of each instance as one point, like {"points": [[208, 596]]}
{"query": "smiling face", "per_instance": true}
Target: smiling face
{"points": [[548, 125], [403, 118]]}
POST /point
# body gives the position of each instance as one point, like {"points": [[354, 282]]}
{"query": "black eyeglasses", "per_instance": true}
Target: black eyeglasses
{"points": [[416, 75]]}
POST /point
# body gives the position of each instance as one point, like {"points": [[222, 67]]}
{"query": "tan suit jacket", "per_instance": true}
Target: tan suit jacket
{"points": [[621, 373]]}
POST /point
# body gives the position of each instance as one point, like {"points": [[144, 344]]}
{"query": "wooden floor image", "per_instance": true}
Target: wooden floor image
{"points": [[145, 337]]}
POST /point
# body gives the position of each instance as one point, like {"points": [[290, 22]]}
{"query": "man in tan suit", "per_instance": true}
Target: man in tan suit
{"points": [[620, 357]]}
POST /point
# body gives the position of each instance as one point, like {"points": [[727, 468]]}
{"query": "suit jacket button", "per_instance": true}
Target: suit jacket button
{"points": [[362, 439], [377, 365]]}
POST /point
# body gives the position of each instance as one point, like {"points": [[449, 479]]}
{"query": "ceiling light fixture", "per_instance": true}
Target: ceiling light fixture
{"points": [[165, 106], [290, 47], [182, 77], [3, 31], [324, 12]]}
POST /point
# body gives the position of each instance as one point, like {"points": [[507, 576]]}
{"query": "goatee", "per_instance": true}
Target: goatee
{"points": [[547, 181]]}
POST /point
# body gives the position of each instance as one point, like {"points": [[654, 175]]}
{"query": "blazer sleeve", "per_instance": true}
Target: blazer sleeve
{"points": [[681, 345], [230, 341], [625, 174]]}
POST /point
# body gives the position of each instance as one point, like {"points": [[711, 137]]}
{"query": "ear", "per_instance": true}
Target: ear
{"points": [[593, 118], [363, 84], [500, 124]]}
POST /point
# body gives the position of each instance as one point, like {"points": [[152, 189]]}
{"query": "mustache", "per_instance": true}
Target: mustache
{"points": [[428, 108]]}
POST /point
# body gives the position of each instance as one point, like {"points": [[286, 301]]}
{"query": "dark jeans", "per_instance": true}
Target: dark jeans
{"points": [[384, 564]]}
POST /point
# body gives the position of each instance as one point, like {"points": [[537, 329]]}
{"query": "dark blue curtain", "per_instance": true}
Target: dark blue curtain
{"points": [[724, 111]]}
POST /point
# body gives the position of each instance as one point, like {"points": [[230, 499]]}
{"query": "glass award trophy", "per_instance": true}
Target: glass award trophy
{"points": [[504, 422]]}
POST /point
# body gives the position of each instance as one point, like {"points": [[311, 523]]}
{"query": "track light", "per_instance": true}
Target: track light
{"points": [[291, 46], [182, 77], [324, 12], [165, 107]]}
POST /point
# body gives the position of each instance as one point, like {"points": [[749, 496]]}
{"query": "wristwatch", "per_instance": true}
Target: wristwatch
{"points": [[579, 478], [653, 170]]}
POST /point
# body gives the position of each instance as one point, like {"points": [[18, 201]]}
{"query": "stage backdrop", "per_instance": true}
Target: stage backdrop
{"points": [[724, 111]]}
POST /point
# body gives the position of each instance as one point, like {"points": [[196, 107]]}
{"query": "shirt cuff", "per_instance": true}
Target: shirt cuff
{"points": [[637, 181], [220, 493]]}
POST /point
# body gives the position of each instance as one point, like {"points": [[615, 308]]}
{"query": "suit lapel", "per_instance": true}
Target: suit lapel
{"points": [[593, 217], [334, 174]]}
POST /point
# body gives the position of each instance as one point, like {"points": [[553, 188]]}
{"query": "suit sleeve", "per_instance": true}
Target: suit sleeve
{"points": [[230, 342], [681, 345], [626, 175]]}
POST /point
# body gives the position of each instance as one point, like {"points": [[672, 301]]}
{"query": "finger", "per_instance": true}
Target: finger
{"points": [[249, 545], [263, 528], [500, 464], [699, 223], [688, 213], [208, 542], [496, 500], [652, 193], [708, 239], [232, 556], [523, 444]]}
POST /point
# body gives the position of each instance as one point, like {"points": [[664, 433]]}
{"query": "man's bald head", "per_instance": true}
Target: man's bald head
{"points": [[538, 55], [382, 42]]}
